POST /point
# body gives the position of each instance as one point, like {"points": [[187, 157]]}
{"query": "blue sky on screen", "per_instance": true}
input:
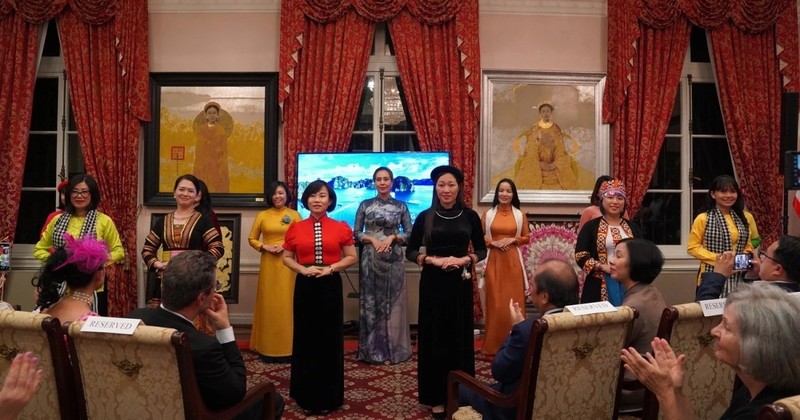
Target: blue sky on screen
{"points": [[359, 166], [353, 166]]}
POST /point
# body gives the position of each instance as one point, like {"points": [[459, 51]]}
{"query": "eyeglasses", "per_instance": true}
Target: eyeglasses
{"points": [[762, 255], [81, 193]]}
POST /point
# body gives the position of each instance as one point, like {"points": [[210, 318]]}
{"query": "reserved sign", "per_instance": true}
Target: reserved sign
{"points": [[591, 308], [110, 325], [712, 307]]}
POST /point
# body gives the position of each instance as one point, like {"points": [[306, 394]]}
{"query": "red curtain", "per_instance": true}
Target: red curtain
{"points": [[751, 37], [748, 80], [17, 80], [438, 94], [107, 71], [327, 87], [640, 128], [325, 49], [305, 66]]}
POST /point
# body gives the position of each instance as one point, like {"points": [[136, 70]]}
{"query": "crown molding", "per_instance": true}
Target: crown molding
{"points": [[545, 7], [523, 7], [213, 6]]}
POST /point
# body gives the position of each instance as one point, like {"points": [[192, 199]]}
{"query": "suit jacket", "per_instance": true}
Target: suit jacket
{"points": [[711, 284], [220, 370]]}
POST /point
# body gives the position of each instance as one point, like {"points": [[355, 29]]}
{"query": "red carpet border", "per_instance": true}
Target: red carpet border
{"points": [[370, 391]]}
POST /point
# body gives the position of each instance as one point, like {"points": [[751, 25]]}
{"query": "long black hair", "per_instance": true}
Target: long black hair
{"points": [[514, 199], [727, 183]]}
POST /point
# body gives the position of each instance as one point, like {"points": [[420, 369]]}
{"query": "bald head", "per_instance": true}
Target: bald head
{"points": [[555, 285]]}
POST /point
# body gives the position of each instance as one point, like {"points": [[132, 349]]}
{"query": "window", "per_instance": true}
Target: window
{"points": [[694, 152], [383, 123], [53, 146]]}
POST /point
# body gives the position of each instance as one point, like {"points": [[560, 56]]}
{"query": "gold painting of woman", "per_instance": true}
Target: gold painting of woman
{"points": [[543, 161], [212, 127], [544, 131]]}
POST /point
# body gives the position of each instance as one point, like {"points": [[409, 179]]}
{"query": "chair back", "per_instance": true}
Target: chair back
{"points": [[708, 382], [783, 409], [22, 332], [130, 376], [575, 369]]}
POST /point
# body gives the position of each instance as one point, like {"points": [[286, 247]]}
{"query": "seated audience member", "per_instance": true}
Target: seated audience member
{"points": [[779, 264], [187, 290], [635, 265], [79, 265], [20, 385], [758, 336], [554, 286]]}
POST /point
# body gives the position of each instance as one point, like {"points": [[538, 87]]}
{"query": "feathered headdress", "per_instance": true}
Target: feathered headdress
{"points": [[87, 253]]}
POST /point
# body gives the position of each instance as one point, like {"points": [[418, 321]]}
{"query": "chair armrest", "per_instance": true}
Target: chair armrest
{"points": [[263, 390], [632, 385], [460, 377]]}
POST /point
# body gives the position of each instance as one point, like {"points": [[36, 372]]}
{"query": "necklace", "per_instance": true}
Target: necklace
{"points": [[175, 215], [82, 297], [451, 217]]}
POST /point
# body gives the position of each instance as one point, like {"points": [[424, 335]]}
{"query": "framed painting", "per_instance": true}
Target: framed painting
{"points": [[544, 131], [227, 266], [220, 127]]}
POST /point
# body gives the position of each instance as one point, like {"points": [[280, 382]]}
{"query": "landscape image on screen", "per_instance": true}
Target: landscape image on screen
{"points": [[350, 175]]}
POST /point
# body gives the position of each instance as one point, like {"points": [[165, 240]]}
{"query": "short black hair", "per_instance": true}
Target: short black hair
{"points": [[273, 188], [94, 192], [787, 254], [560, 281], [314, 188], [645, 260], [186, 276]]}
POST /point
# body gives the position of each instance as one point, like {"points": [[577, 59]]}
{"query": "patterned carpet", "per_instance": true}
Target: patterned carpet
{"points": [[370, 392]]}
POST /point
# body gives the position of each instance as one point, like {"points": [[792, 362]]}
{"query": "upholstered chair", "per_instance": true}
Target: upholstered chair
{"points": [[708, 382], [149, 374], [783, 409], [22, 332], [572, 369]]}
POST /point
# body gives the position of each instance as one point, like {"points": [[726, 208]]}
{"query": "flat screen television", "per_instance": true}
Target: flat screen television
{"points": [[350, 175]]}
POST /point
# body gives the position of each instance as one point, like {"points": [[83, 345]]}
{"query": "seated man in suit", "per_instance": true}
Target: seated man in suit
{"points": [[779, 265], [554, 286], [187, 290]]}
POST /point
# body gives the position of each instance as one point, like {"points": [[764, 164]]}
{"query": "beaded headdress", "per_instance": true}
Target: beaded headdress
{"points": [[612, 188], [87, 253]]}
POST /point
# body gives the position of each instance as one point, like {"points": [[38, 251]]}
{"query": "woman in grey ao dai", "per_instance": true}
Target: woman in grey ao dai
{"points": [[382, 225]]}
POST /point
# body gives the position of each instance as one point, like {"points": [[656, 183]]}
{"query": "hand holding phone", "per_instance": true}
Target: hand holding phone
{"points": [[5, 256], [743, 261]]}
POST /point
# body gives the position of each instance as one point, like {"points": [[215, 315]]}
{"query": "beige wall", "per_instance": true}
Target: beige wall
{"points": [[181, 42]]}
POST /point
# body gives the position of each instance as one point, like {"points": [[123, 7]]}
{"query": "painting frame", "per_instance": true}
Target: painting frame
{"points": [[591, 140], [228, 264], [158, 186]]}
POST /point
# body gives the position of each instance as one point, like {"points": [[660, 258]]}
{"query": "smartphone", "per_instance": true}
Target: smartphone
{"points": [[743, 261], [5, 256]]}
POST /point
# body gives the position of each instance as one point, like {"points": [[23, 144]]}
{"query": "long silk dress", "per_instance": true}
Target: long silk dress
{"points": [[446, 340], [272, 319], [504, 277], [384, 333]]}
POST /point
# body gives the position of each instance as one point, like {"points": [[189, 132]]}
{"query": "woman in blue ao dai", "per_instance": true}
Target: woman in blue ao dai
{"points": [[382, 225]]}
